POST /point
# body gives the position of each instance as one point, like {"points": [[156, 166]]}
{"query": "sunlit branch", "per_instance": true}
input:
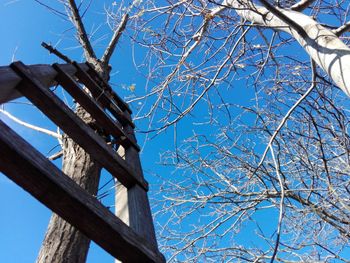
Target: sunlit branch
{"points": [[281, 207], [301, 5], [56, 156], [268, 54], [343, 29], [284, 18], [323, 46], [30, 126]]}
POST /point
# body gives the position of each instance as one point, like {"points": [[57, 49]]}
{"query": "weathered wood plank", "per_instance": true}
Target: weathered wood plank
{"points": [[120, 102], [45, 74], [103, 96], [109, 125], [33, 172], [132, 205], [80, 132]]}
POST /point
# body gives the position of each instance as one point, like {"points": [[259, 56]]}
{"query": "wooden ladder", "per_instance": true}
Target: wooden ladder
{"points": [[129, 236]]}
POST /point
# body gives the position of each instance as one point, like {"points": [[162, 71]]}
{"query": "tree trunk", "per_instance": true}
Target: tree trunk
{"points": [[63, 243], [322, 44]]}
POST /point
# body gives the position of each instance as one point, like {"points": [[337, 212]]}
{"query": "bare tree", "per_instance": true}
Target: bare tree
{"points": [[262, 175]]}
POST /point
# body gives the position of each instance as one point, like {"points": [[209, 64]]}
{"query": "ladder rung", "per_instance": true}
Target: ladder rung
{"points": [[102, 95], [73, 88], [122, 105]]}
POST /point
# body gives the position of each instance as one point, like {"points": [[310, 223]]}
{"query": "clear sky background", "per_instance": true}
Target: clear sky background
{"points": [[23, 26]]}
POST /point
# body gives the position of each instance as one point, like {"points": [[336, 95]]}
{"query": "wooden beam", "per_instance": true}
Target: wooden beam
{"points": [[80, 132], [89, 104], [33, 172], [120, 102], [44, 73], [103, 95], [132, 205]]}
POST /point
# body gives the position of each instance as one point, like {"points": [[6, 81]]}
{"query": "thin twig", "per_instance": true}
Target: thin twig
{"points": [[195, 40], [53, 10], [14, 54], [56, 156], [53, 50], [210, 85]]}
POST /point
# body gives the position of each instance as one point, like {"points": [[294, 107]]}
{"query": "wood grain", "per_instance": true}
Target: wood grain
{"points": [[74, 127], [90, 105], [33, 172], [45, 74]]}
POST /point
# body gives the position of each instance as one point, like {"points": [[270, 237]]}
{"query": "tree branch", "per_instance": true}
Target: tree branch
{"points": [[342, 29], [208, 17], [323, 46], [82, 35], [210, 85], [30, 126], [53, 10], [56, 156], [281, 207], [301, 5], [53, 50], [114, 40], [284, 18]]}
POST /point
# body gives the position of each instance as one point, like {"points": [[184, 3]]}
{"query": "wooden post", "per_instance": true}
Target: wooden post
{"points": [[132, 205]]}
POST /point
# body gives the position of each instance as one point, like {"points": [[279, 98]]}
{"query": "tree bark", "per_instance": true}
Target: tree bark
{"points": [[322, 44], [63, 243]]}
